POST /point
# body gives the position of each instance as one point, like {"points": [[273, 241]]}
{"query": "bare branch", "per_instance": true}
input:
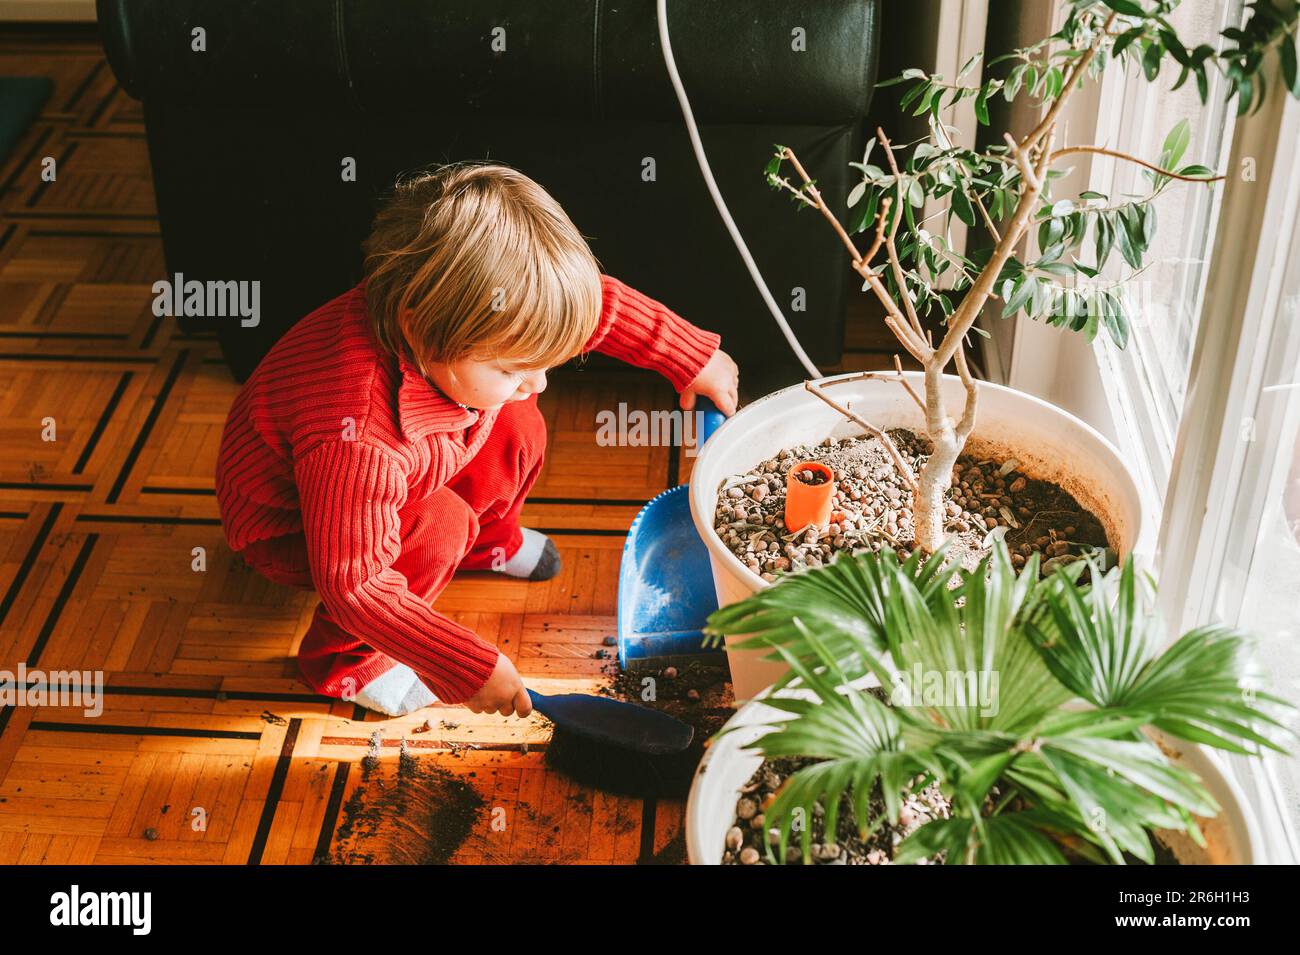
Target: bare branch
{"points": [[780, 180], [894, 318], [1022, 160], [890, 248], [898, 370], [988, 222], [967, 422], [1053, 111], [821, 203], [880, 233], [898, 377], [1133, 159], [964, 317], [903, 469]]}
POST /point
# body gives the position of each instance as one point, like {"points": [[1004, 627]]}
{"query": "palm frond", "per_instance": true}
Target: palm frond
{"points": [[844, 601], [1098, 643], [995, 601], [1104, 645], [1117, 811], [855, 737], [1200, 690], [1017, 838], [1029, 779]]}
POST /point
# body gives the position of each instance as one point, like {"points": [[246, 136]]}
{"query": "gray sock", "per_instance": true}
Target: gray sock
{"points": [[536, 559]]}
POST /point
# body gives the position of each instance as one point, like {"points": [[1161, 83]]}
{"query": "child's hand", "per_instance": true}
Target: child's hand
{"points": [[503, 692], [719, 380]]}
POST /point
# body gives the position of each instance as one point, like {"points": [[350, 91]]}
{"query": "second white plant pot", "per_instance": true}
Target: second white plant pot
{"points": [[1049, 444], [1233, 837]]}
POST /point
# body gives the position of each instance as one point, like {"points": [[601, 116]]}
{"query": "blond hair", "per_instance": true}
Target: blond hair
{"points": [[476, 260]]}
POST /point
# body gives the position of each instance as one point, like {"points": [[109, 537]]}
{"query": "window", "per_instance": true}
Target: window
{"points": [[1229, 551], [1150, 377], [1205, 401], [1258, 580], [1261, 589]]}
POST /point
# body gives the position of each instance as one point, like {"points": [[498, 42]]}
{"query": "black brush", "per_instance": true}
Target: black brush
{"points": [[618, 747]]}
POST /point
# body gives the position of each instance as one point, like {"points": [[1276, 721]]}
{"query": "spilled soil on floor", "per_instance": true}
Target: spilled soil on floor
{"points": [[420, 817]]}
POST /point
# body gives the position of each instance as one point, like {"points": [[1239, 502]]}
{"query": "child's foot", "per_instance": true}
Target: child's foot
{"points": [[395, 693], [536, 559]]}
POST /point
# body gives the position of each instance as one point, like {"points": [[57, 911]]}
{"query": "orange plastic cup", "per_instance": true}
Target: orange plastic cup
{"points": [[808, 503]]}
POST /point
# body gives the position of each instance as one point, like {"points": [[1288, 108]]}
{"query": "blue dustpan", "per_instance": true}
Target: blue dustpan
{"points": [[665, 584]]}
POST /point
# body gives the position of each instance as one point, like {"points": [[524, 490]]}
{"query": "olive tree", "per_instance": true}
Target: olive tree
{"points": [[1006, 190]]}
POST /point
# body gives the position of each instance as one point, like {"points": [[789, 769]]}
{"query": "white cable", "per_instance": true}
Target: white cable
{"points": [[698, 146]]}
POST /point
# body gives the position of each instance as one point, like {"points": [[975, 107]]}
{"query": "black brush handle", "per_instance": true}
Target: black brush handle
{"points": [[540, 702]]}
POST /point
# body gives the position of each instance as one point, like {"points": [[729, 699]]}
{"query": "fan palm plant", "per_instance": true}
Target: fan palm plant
{"points": [[1060, 764]]}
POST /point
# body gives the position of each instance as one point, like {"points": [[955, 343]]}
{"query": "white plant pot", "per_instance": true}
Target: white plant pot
{"points": [[1049, 443], [1233, 837]]}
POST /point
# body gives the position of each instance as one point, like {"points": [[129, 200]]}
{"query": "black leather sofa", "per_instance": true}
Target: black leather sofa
{"points": [[247, 140]]}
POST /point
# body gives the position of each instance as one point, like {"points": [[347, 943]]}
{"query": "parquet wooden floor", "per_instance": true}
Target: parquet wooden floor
{"points": [[208, 749]]}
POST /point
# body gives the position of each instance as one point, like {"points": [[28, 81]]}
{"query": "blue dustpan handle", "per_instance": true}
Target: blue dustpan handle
{"points": [[713, 419]]}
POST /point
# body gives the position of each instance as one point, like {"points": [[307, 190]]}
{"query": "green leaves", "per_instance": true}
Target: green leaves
{"points": [[1104, 649], [1013, 839], [1244, 58], [1287, 56], [962, 208], [846, 603], [1083, 308], [1058, 767], [1135, 234], [1129, 8], [1104, 232], [1016, 293], [1200, 690], [1106, 783], [1175, 145], [855, 736], [1098, 644], [1043, 79], [1245, 61], [1062, 288], [1115, 319]]}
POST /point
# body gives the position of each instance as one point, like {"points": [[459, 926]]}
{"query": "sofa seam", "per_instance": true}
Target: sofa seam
{"points": [[341, 51]]}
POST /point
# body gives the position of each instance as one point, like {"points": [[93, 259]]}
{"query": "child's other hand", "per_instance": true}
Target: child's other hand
{"points": [[719, 381], [503, 692]]}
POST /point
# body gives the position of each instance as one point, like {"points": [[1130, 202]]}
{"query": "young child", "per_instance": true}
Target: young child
{"points": [[391, 436]]}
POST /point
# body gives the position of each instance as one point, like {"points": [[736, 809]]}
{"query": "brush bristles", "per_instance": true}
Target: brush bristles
{"points": [[621, 771]]}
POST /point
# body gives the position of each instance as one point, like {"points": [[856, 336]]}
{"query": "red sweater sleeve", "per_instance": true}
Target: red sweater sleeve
{"points": [[350, 493], [640, 331]]}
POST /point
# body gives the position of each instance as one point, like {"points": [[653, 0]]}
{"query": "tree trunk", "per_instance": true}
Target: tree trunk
{"points": [[928, 511]]}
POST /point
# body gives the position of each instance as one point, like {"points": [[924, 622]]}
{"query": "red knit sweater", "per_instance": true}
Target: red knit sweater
{"points": [[282, 467]]}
